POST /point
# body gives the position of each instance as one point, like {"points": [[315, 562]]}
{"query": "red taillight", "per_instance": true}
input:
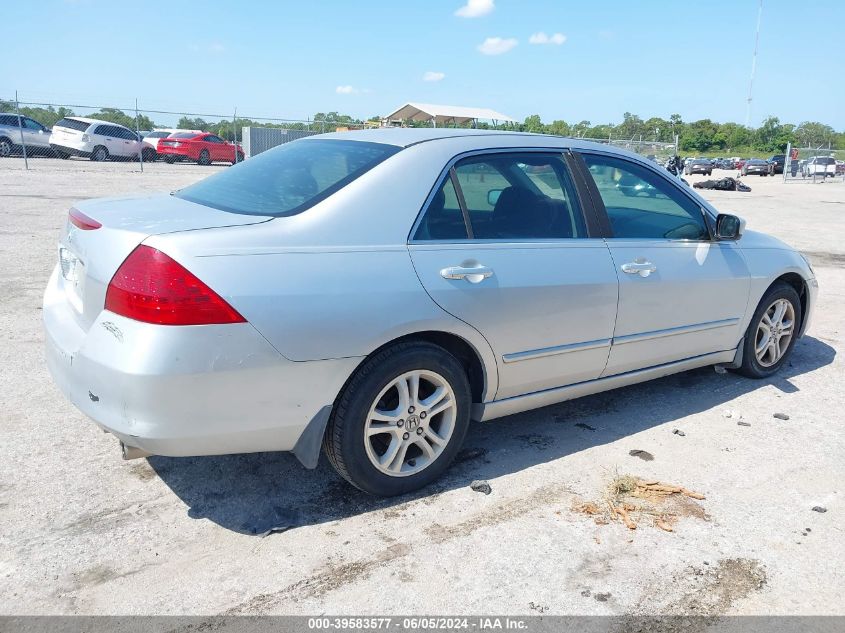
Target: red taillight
{"points": [[151, 287], [82, 221]]}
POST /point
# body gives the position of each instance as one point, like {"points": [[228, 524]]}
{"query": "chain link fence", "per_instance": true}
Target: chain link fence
{"points": [[657, 151], [132, 135], [813, 165]]}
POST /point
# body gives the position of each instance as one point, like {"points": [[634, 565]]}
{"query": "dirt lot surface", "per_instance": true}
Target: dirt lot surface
{"points": [[84, 532]]}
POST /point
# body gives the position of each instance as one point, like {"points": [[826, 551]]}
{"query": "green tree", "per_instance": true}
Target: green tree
{"points": [[533, 123], [814, 134], [113, 115], [559, 128]]}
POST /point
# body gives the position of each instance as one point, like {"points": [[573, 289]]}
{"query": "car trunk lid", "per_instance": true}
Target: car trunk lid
{"points": [[88, 258]]}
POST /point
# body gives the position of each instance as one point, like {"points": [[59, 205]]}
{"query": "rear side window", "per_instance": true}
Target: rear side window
{"points": [[73, 124], [443, 219], [8, 119], [641, 204], [287, 179]]}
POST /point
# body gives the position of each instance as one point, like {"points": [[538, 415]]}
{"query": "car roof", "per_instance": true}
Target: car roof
{"points": [[405, 137]]}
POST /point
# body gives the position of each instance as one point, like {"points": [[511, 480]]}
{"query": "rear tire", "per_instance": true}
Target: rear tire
{"points": [[204, 158], [148, 154], [766, 346], [387, 443], [100, 154], [6, 147]]}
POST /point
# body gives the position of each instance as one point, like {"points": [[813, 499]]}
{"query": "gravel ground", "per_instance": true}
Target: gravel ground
{"points": [[84, 532]]}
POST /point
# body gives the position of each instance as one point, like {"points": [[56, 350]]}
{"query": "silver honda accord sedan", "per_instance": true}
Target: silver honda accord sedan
{"points": [[369, 293]]}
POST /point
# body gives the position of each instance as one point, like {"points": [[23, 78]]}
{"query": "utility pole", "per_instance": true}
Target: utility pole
{"points": [[753, 66]]}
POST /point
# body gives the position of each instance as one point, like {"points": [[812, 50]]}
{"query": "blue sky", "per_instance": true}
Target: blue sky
{"points": [[292, 59]]}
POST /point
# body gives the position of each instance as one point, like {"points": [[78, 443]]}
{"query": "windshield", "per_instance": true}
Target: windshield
{"points": [[288, 179], [157, 134]]}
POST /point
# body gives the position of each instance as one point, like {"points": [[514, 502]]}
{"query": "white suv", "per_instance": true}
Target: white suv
{"points": [[94, 139], [819, 166]]}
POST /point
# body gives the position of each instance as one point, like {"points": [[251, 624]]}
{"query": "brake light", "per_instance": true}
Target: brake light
{"points": [[82, 221], [151, 287]]}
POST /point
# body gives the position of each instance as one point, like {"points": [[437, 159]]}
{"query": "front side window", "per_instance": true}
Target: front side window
{"points": [[508, 197], [288, 179], [32, 125], [213, 139], [642, 205]]}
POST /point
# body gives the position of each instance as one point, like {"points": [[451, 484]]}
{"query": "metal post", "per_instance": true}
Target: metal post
{"points": [[787, 160], [20, 129], [140, 142], [235, 133]]}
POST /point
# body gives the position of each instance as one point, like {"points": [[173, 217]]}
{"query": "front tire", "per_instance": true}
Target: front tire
{"points": [[6, 147], [204, 158], [100, 154], [772, 333], [400, 420]]}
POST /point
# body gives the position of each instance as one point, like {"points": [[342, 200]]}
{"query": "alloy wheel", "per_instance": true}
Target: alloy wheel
{"points": [[774, 332], [5, 148], [410, 423]]}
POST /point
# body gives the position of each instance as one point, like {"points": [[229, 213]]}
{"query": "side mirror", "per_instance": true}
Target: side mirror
{"points": [[493, 196], [729, 227]]}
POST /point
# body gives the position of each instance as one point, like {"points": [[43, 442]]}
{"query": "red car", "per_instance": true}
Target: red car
{"points": [[202, 148]]}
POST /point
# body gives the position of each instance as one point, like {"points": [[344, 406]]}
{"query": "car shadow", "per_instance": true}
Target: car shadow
{"points": [[259, 492]]}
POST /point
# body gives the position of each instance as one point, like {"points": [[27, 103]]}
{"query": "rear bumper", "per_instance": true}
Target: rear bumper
{"points": [[178, 153], [73, 151], [185, 390]]}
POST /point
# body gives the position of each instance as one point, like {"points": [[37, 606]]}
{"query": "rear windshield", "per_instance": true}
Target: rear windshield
{"points": [[183, 135], [157, 135], [288, 179], [756, 161], [825, 161], [73, 124]]}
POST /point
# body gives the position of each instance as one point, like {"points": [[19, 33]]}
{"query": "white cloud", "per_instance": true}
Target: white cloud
{"points": [[346, 90], [542, 38], [475, 8], [431, 75], [497, 45]]}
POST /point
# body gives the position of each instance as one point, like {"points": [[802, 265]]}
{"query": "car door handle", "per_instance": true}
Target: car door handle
{"points": [[472, 275], [639, 267]]}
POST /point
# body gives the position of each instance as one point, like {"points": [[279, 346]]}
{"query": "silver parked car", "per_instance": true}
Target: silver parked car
{"points": [[15, 131], [371, 292]]}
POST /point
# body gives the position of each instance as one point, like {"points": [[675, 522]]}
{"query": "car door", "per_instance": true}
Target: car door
{"points": [[35, 134], [129, 141], [502, 245], [218, 148], [681, 293], [106, 136]]}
